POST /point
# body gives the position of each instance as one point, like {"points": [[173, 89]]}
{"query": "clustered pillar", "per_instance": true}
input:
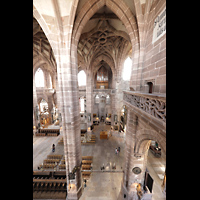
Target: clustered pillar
{"points": [[133, 159], [69, 104]]}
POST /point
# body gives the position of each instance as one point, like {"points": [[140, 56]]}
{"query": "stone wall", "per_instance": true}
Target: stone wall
{"points": [[154, 66]]}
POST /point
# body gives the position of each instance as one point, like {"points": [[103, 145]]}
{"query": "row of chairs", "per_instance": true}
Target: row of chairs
{"points": [[62, 166], [46, 134], [52, 134], [48, 166], [49, 185], [61, 141], [47, 161], [51, 162], [86, 165], [86, 162], [86, 175], [87, 157], [49, 194], [53, 156], [49, 131], [40, 134]]}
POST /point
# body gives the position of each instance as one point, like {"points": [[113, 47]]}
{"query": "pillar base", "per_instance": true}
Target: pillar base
{"points": [[74, 195], [128, 195]]}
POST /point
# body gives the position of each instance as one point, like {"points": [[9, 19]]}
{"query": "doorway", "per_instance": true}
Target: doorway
{"points": [[150, 84]]}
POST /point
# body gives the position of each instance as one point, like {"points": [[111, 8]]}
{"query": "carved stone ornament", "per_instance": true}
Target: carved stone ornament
{"points": [[136, 170], [154, 107]]}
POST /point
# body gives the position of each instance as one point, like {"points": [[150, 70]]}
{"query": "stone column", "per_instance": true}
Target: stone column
{"points": [[129, 176], [129, 144], [113, 108], [133, 160], [68, 102], [89, 98], [50, 107], [35, 105]]}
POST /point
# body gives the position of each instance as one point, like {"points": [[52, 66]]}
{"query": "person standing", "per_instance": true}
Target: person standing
{"points": [[115, 150]]}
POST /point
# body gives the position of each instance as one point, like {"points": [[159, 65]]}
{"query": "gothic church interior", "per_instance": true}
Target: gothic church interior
{"points": [[99, 95]]}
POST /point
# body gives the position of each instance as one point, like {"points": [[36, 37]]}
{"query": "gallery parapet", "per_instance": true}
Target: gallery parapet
{"points": [[153, 104]]}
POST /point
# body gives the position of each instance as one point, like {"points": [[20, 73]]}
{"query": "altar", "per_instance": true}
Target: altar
{"points": [[103, 135]]}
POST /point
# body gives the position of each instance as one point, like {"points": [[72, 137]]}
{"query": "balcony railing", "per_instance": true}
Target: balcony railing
{"points": [[153, 104]]}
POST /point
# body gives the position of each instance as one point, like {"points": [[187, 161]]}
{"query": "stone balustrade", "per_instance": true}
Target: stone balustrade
{"points": [[153, 104]]}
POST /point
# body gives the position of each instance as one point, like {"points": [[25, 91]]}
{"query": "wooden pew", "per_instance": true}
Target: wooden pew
{"points": [[86, 175], [86, 162], [87, 157], [48, 161], [62, 166], [86, 167], [54, 157]]}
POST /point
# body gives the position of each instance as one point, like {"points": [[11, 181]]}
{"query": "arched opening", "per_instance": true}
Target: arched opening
{"points": [[39, 78], [43, 113], [155, 167], [126, 74], [81, 78]]}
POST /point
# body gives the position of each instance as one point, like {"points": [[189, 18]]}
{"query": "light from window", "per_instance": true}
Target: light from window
{"points": [[127, 69], [81, 105], [81, 78], [39, 78], [97, 99]]}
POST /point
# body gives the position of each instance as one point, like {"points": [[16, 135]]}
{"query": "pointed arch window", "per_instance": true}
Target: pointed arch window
{"points": [[127, 69], [39, 78], [81, 78]]}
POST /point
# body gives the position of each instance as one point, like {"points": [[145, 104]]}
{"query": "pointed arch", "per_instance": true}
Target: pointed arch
{"points": [[118, 7], [143, 137]]}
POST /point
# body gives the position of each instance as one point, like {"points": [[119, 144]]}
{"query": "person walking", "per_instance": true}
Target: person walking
{"points": [[53, 147]]}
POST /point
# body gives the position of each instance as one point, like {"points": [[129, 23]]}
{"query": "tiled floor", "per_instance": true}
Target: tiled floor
{"points": [[102, 185]]}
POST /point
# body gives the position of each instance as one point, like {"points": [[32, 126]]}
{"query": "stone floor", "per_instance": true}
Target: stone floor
{"points": [[103, 152], [102, 185]]}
